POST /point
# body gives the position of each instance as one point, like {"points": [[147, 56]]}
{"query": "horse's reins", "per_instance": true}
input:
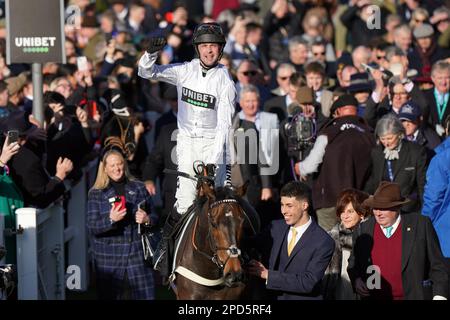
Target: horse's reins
{"points": [[233, 251], [188, 176]]}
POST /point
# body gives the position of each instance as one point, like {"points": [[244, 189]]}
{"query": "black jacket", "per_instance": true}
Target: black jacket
{"points": [[165, 119], [421, 256], [409, 172], [359, 32], [374, 111], [278, 106], [38, 188], [433, 118], [161, 158]]}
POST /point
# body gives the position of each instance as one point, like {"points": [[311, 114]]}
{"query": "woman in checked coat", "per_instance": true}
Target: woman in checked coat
{"points": [[118, 255]]}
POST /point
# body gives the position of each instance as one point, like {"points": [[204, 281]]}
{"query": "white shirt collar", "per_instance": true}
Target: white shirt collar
{"points": [[134, 25], [288, 100], [394, 226], [122, 15], [300, 230], [319, 95]]}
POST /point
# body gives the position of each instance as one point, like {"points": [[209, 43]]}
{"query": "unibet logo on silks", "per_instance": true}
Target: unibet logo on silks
{"points": [[35, 44], [197, 98]]}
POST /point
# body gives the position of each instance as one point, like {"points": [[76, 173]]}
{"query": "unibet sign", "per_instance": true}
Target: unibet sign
{"points": [[35, 31], [35, 44]]}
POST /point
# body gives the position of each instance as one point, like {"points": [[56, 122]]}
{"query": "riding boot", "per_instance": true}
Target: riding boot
{"points": [[163, 256]]}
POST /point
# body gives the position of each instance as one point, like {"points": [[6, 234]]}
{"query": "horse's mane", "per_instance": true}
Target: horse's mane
{"points": [[223, 193]]}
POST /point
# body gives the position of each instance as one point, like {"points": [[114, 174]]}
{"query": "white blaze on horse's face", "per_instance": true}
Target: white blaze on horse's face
{"points": [[229, 222]]}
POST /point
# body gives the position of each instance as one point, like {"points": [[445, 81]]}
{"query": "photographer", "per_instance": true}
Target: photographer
{"points": [[339, 158], [10, 196], [298, 131]]}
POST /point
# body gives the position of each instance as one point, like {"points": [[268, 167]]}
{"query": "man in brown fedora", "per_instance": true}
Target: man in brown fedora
{"points": [[396, 256]]}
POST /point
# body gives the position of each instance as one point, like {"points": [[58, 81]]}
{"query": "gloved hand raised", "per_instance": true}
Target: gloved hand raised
{"points": [[156, 44]]}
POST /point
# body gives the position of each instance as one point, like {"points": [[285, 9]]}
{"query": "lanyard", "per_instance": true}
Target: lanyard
{"points": [[441, 106], [391, 175]]}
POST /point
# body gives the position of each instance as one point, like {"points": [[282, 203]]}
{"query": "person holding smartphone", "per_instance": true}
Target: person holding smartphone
{"points": [[10, 197], [117, 205], [9, 149], [38, 187]]}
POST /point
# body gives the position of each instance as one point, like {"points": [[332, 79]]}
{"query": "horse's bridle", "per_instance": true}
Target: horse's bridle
{"points": [[233, 251]]}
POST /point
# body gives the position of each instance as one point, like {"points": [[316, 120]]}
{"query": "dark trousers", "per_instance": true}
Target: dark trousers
{"points": [[448, 269]]}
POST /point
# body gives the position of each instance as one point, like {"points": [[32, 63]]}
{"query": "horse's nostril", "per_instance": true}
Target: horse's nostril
{"points": [[233, 277]]}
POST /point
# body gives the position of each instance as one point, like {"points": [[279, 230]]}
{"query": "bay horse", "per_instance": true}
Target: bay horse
{"points": [[208, 263]]}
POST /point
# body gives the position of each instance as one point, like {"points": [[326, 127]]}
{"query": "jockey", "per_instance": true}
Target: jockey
{"points": [[206, 104]]}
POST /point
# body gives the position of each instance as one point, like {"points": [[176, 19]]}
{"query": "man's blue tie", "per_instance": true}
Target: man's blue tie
{"points": [[389, 231]]}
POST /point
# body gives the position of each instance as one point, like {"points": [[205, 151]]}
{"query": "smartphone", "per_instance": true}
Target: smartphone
{"points": [[82, 63], [70, 110], [13, 136], [119, 201]]}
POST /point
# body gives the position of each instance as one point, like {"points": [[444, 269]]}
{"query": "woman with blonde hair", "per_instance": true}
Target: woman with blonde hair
{"points": [[117, 206], [418, 17]]}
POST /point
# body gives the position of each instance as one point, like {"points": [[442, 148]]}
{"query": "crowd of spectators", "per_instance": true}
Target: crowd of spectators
{"points": [[389, 60]]}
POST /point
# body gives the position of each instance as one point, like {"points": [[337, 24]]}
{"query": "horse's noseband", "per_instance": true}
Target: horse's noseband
{"points": [[234, 251]]}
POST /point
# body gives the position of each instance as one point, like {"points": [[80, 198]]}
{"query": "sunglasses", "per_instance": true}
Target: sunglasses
{"points": [[284, 78], [249, 73], [322, 53], [381, 57]]}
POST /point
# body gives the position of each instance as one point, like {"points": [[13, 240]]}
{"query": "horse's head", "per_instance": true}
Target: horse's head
{"points": [[226, 223]]}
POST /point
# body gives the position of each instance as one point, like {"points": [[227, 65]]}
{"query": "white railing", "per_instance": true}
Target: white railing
{"points": [[41, 252]]}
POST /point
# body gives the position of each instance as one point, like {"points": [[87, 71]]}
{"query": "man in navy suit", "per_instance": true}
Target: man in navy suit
{"points": [[301, 250]]}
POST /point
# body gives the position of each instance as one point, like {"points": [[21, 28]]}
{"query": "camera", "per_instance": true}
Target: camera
{"points": [[300, 132], [8, 277], [387, 74]]}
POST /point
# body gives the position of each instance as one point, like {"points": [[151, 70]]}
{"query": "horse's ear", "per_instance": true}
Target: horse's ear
{"points": [[242, 189], [207, 189]]}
